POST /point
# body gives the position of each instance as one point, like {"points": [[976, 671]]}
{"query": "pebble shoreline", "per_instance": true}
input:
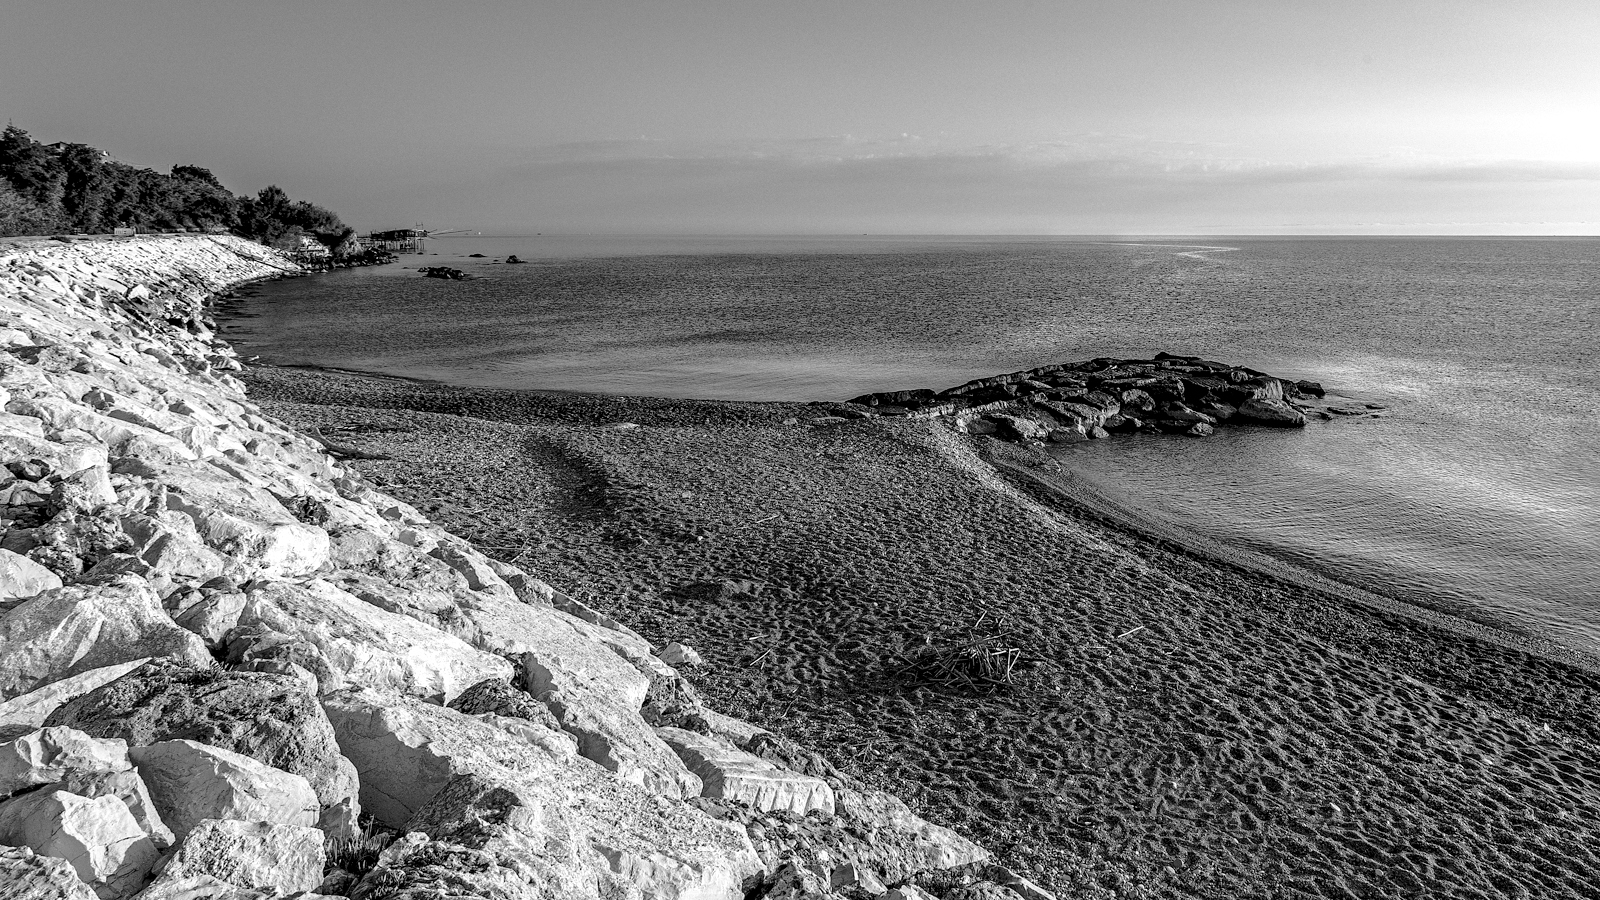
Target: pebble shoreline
{"points": [[229, 666]]}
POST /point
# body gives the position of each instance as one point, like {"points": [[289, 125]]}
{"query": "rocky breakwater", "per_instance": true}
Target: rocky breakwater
{"points": [[1081, 401], [231, 668]]}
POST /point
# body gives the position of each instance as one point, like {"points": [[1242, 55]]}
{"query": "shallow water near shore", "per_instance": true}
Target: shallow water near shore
{"points": [[1473, 491]]}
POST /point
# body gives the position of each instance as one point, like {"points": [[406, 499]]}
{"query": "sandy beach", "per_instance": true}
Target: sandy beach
{"points": [[1199, 722]]}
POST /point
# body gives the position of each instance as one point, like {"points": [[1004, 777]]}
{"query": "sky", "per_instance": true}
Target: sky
{"points": [[867, 116]]}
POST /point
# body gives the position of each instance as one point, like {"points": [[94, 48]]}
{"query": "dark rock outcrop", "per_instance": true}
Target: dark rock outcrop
{"points": [[444, 272], [1068, 402]]}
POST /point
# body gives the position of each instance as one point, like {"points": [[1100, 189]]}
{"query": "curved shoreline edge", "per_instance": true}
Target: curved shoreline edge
{"points": [[1120, 514]]}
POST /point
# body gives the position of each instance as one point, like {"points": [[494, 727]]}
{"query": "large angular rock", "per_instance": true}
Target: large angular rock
{"points": [[245, 524], [257, 648], [191, 782], [905, 843], [122, 438], [35, 706], [255, 855], [74, 629], [472, 566], [181, 558], [560, 822], [732, 774], [406, 750], [51, 754], [871, 840], [369, 646], [22, 577], [128, 787], [272, 719], [213, 616], [25, 875], [98, 837], [595, 694], [563, 843]]}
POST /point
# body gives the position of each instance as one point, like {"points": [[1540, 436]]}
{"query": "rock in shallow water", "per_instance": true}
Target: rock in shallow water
{"points": [[1271, 412]]}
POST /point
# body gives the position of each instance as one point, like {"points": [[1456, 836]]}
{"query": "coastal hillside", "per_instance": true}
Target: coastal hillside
{"points": [[232, 667], [74, 188]]}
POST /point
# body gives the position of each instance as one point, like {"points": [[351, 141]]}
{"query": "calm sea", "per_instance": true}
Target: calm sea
{"points": [[1476, 491]]}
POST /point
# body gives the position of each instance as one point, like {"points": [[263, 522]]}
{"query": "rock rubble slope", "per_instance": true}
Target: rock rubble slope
{"points": [[231, 668]]}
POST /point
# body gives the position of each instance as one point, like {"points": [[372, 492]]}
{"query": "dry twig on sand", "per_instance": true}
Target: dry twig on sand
{"points": [[970, 658]]}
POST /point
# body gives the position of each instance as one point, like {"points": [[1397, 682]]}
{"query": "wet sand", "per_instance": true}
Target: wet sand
{"points": [[1202, 722]]}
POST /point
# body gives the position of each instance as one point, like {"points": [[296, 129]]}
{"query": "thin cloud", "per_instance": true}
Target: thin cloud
{"points": [[1081, 184]]}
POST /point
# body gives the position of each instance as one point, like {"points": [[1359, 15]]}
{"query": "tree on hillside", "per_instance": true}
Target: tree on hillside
{"points": [[84, 198], [60, 187], [20, 215], [206, 203], [272, 218], [33, 172]]}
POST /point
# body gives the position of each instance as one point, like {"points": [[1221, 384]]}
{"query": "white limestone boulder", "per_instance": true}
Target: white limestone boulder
{"points": [[405, 750], [179, 557], [127, 786], [98, 837], [70, 630], [25, 875], [591, 837], [122, 438], [370, 646], [260, 541], [568, 827], [86, 490], [35, 706], [472, 565], [191, 782], [258, 856], [51, 754], [594, 692], [213, 616], [904, 843], [680, 656], [22, 577], [76, 456], [732, 774], [272, 719]]}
